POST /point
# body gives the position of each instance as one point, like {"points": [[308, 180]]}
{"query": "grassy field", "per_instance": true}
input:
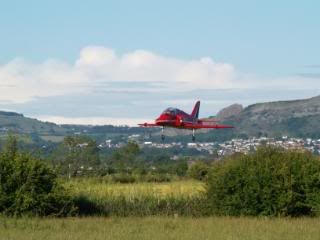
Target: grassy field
{"points": [[96, 198], [160, 228], [145, 199], [95, 189]]}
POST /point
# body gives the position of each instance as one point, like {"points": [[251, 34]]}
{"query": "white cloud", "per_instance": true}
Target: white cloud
{"points": [[99, 68], [22, 81], [92, 120]]}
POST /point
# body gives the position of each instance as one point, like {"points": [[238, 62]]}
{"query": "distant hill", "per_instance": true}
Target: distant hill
{"points": [[15, 122], [36, 130], [300, 118], [230, 111]]}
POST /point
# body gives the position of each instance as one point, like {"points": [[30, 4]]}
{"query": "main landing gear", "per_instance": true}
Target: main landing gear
{"points": [[193, 136], [162, 134]]}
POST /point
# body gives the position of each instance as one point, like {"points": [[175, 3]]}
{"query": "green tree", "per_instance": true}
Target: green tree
{"points": [[11, 146], [181, 167], [126, 157], [199, 171], [29, 186], [76, 153], [271, 181]]}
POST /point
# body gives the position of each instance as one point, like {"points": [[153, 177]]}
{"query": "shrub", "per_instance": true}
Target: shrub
{"points": [[157, 177], [29, 187], [123, 178], [181, 167], [198, 171], [269, 182]]}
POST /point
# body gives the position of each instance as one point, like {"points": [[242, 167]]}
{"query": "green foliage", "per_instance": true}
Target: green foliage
{"points": [[11, 147], [28, 186], [198, 171], [181, 167], [123, 178], [126, 157], [157, 177], [76, 154], [269, 182]]}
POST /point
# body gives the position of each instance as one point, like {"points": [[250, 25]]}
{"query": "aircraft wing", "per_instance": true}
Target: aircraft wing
{"points": [[199, 126], [148, 125], [209, 120]]}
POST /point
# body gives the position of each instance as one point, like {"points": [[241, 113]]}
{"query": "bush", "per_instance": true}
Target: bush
{"points": [[123, 178], [30, 187], [157, 177], [198, 171], [181, 168], [269, 182]]}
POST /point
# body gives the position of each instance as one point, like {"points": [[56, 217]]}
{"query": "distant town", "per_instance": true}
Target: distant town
{"points": [[228, 147]]}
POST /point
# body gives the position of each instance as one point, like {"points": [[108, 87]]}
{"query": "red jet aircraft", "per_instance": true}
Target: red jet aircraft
{"points": [[176, 118]]}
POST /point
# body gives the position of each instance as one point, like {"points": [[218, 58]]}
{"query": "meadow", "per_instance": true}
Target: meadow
{"points": [[97, 188], [99, 198], [159, 228], [101, 208]]}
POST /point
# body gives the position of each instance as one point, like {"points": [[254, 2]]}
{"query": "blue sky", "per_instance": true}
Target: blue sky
{"points": [[68, 54]]}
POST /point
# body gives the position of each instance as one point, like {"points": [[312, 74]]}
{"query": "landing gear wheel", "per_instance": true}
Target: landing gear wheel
{"points": [[193, 136], [162, 134], [147, 133], [162, 137]]}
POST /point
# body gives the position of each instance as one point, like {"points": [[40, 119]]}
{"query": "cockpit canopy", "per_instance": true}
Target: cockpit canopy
{"points": [[170, 111], [174, 111]]}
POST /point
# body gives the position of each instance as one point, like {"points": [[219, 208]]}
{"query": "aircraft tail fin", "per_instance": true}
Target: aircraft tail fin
{"points": [[195, 111]]}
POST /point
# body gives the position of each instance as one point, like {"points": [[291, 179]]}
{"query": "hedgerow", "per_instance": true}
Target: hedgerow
{"points": [[271, 181]]}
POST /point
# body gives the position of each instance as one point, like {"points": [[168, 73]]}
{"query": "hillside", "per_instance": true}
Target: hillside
{"points": [[18, 123], [230, 111], [295, 118], [34, 129]]}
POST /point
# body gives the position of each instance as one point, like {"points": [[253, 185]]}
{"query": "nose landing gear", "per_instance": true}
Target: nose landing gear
{"points": [[147, 133]]}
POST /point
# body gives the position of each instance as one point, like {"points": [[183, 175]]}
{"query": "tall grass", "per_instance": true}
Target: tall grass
{"points": [[96, 188], [160, 228], [94, 197]]}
